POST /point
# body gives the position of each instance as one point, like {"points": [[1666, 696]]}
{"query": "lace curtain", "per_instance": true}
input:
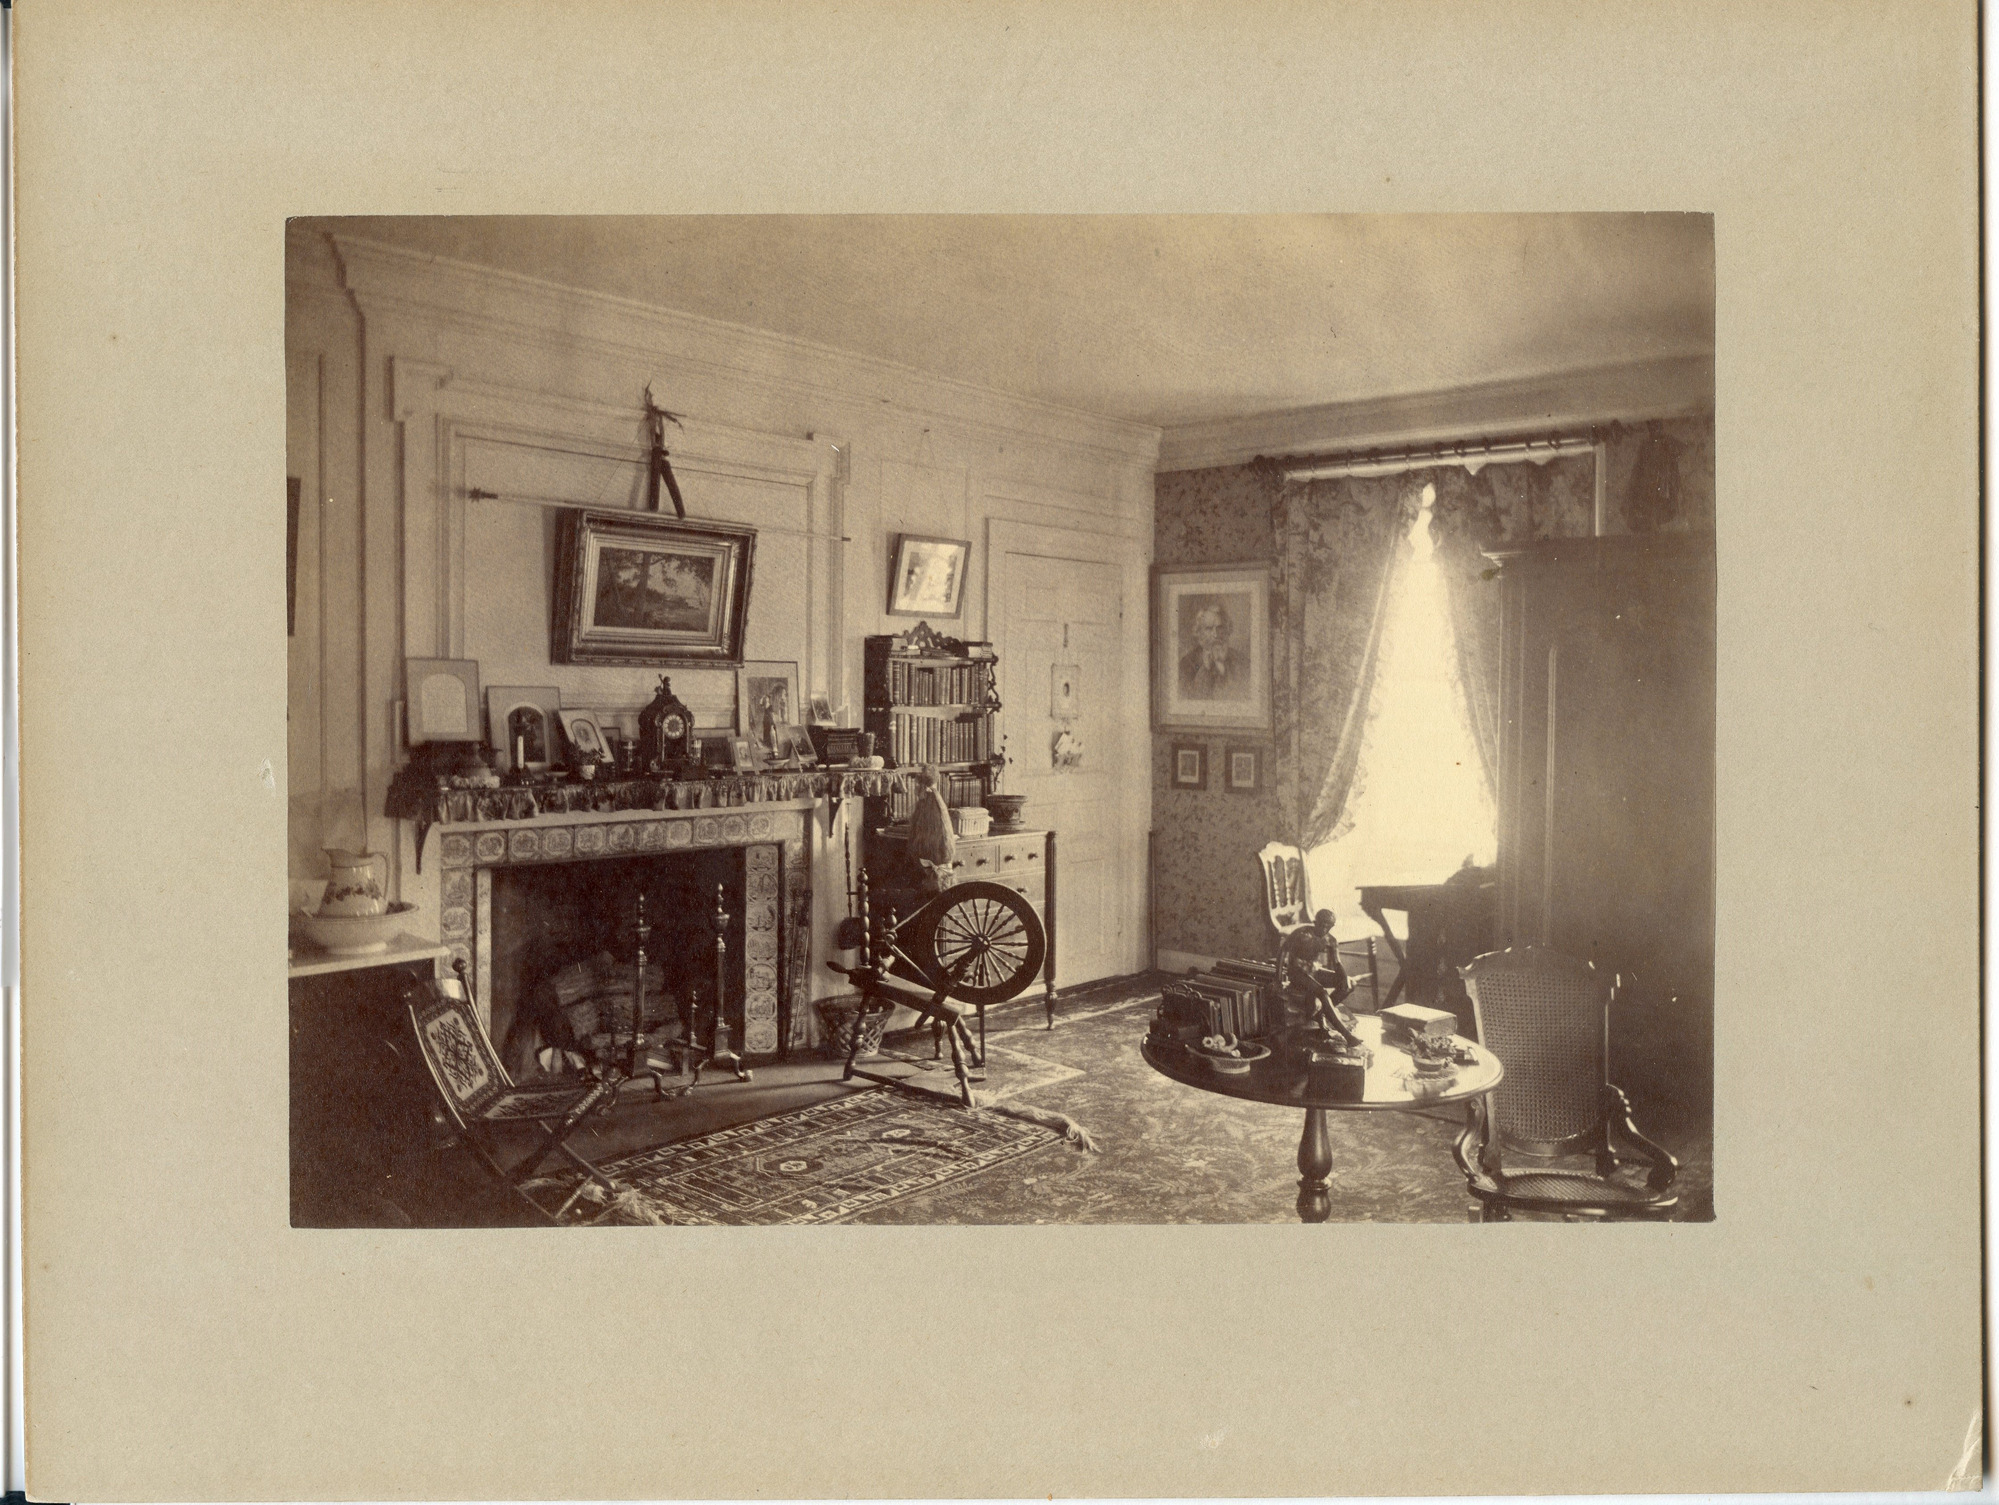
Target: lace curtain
{"points": [[1338, 544]]}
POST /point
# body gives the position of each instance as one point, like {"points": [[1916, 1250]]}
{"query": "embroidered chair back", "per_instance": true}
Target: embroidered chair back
{"points": [[1546, 1016], [460, 1057]]}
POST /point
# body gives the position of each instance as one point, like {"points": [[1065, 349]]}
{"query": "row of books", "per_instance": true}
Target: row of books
{"points": [[933, 739], [968, 683], [959, 789], [1220, 1005]]}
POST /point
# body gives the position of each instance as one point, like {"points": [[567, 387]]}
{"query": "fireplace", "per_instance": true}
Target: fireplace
{"points": [[521, 897], [550, 919]]}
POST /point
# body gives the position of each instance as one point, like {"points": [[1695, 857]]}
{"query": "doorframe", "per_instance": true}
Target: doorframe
{"points": [[1131, 769]]}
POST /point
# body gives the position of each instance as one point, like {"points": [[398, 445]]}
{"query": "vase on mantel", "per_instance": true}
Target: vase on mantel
{"points": [[1009, 811]]}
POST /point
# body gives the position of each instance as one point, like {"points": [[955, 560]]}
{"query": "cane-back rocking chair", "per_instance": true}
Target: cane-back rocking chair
{"points": [[480, 1098], [1546, 1016]]}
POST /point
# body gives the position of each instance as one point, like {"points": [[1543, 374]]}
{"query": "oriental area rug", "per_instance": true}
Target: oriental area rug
{"points": [[822, 1164]]}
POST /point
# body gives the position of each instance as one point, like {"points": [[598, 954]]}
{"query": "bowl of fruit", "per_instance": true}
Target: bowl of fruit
{"points": [[1228, 1055]]}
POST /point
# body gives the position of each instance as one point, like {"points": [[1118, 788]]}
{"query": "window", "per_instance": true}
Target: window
{"points": [[1420, 805]]}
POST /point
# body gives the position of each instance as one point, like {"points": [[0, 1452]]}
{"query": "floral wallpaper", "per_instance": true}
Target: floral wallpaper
{"points": [[1206, 895], [1660, 477]]}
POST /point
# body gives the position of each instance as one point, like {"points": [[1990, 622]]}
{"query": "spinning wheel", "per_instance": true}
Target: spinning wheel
{"points": [[981, 942], [974, 943]]}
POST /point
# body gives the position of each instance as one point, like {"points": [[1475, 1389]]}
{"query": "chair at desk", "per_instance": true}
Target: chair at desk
{"points": [[1546, 1016], [1287, 899]]}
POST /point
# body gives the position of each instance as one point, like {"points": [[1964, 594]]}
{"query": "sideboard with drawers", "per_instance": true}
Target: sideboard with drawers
{"points": [[1023, 861]]}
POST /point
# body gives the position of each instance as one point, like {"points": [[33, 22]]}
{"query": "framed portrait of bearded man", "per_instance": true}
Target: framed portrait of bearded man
{"points": [[1211, 647]]}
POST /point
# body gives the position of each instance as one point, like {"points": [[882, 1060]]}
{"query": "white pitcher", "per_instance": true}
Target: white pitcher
{"points": [[353, 889]]}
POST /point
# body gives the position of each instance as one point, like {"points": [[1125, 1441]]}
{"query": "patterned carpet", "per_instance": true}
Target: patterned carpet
{"points": [[1168, 1153], [821, 1164]]}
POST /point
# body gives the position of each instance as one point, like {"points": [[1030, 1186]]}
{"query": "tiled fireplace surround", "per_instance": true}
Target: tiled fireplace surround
{"points": [[775, 840]]}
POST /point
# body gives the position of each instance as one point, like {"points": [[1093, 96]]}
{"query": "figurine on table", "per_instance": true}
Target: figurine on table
{"points": [[1311, 980]]}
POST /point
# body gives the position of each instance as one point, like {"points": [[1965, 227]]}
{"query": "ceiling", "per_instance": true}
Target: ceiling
{"points": [[1164, 320]]}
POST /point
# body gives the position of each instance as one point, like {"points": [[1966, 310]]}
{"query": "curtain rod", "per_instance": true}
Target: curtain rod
{"points": [[517, 499], [1388, 462]]}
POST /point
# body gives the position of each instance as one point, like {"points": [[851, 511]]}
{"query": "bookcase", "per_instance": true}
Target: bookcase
{"points": [[931, 701]]}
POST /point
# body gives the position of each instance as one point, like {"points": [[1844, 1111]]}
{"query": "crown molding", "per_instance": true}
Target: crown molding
{"points": [[1626, 392], [385, 280]]}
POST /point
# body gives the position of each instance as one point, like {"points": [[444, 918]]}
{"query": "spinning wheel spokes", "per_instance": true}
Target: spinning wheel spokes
{"points": [[986, 933]]}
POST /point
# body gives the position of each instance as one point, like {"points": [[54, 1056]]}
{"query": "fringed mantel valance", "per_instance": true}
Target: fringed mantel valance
{"points": [[414, 795]]}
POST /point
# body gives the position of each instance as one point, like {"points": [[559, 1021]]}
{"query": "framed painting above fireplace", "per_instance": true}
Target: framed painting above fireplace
{"points": [[636, 588]]}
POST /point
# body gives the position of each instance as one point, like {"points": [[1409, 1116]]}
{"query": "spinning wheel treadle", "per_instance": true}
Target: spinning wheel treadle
{"points": [[981, 942]]}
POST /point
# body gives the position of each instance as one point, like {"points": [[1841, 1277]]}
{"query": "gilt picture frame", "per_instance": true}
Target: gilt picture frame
{"points": [[636, 588], [1211, 647]]}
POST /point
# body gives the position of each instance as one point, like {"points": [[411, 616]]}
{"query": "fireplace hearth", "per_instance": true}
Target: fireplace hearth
{"points": [[565, 943], [522, 899]]}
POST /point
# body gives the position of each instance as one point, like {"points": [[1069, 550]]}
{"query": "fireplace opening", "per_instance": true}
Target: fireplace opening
{"points": [[564, 943]]}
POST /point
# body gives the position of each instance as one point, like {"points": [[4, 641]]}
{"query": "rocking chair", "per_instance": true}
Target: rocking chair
{"points": [[480, 1097], [1547, 1017]]}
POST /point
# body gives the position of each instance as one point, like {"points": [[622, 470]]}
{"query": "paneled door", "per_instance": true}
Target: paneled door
{"points": [[1060, 641]]}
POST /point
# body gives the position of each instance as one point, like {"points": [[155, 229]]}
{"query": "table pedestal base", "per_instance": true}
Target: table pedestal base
{"points": [[1315, 1168]]}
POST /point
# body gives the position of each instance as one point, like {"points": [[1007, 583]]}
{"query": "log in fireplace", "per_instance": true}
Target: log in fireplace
{"points": [[521, 899]]}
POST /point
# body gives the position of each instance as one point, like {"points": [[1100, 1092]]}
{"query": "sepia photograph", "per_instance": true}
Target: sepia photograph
{"points": [[1387, 775], [1396, 976]]}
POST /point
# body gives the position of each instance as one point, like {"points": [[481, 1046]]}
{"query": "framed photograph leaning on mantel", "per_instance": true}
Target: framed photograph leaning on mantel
{"points": [[523, 724], [638, 588], [1211, 647], [766, 702]]}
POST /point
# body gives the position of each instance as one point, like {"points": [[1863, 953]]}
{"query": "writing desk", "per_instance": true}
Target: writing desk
{"points": [[1449, 924]]}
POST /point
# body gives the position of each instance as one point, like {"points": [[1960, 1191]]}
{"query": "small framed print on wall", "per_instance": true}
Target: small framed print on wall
{"points": [[1242, 771], [1190, 765], [926, 576]]}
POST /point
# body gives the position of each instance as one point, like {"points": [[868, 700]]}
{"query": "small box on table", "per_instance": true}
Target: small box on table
{"points": [[1402, 1020]]}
